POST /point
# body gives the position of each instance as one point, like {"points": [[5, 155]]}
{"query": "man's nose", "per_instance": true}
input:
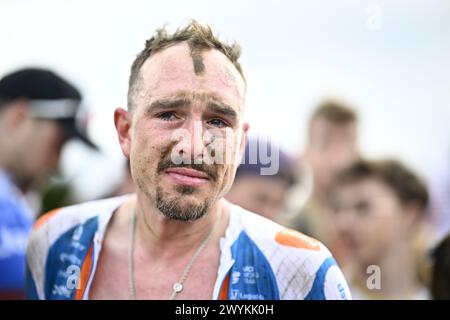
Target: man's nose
{"points": [[194, 140]]}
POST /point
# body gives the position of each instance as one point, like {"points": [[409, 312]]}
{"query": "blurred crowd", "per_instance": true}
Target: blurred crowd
{"points": [[386, 226]]}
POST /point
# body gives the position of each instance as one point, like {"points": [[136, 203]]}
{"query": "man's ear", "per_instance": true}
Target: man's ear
{"points": [[122, 121]]}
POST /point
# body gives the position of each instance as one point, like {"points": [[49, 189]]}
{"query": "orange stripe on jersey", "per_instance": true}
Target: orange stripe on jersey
{"points": [[292, 238], [223, 295], [39, 222], [84, 274]]}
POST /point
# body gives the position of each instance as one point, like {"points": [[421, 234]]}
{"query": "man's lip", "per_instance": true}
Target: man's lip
{"points": [[188, 172], [188, 177]]}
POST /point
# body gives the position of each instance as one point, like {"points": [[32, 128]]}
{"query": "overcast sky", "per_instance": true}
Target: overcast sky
{"points": [[389, 59]]}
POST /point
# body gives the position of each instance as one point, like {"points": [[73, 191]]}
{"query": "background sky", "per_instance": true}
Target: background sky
{"points": [[390, 60]]}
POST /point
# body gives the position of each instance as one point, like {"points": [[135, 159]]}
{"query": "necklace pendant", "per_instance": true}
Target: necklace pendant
{"points": [[177, 287]]}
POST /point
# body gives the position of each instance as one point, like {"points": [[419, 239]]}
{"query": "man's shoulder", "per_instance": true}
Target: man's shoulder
{"points": [[78, 213], [271, 236], [52, 225], [302, 266], [63, 237]]}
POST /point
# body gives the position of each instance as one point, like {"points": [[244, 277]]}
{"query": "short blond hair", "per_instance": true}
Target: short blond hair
{"points": [[199, 37]]}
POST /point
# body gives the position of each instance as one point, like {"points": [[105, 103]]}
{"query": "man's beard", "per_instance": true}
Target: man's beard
{"points": [[174, 208]]}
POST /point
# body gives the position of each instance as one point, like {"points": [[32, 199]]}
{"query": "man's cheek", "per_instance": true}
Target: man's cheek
{"points": [[226, 179], [144, 167]]}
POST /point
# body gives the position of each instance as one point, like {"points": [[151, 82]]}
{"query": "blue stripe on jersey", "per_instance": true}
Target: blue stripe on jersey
{"points": [[30, 287], [251, 277], [65, 258], [317, 291]]}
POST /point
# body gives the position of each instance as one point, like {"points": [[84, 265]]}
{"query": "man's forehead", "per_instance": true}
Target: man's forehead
{"points": [[176, 69]]}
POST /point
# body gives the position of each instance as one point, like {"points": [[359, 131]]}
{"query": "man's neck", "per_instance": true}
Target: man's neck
{"points": [[164, 237]]}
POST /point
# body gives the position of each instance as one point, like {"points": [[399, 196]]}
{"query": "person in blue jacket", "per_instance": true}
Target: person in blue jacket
{"points": [[38, 112]]}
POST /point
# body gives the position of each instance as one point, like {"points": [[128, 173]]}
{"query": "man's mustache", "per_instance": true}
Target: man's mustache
{"points": [[210, 170]]}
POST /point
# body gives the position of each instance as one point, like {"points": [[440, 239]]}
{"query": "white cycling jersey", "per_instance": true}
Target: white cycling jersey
{"points": [[259, 260]]}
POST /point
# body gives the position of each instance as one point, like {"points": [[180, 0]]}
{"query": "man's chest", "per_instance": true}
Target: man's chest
{"points": [[115, 279]]}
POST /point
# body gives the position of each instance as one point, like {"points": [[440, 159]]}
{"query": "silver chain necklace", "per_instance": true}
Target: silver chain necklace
{"points": [[177, 286]]}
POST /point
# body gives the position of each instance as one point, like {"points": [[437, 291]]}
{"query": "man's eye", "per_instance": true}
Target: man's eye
{"points": [[167, 116], [218, 123]]}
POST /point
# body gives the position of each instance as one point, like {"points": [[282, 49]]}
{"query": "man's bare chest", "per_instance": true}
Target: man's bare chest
{"points": [[113, 279]]}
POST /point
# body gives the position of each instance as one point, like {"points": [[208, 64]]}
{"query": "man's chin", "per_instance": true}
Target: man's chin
{"points": [[182, 207], [184, 213], [185, 190]]}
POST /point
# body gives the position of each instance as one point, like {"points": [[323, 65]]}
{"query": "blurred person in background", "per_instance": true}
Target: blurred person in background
{"points": [[38, 109], [439, 217], [440, 279], [379, 208], [332, 146], [262, 193]]}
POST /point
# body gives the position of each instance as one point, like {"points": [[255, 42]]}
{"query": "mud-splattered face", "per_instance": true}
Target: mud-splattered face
{"points": [[187, 134]]}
